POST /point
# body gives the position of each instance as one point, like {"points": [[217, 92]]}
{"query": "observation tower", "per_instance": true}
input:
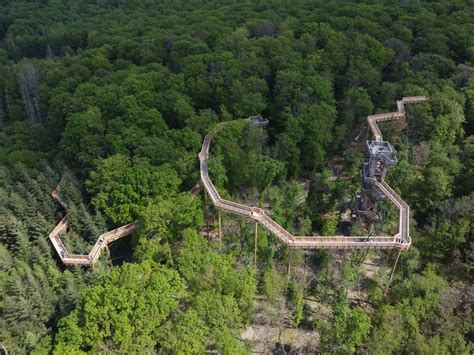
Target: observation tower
{"points": [[374, 168]]}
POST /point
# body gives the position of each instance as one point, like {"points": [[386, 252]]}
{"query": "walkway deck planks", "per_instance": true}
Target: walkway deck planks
{"points": [[102, 241]]}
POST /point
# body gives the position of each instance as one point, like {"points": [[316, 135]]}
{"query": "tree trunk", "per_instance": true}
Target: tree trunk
{"points": [[29, 82]]}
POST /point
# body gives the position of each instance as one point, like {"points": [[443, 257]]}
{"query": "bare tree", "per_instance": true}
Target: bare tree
{"points": [[29, 82]]}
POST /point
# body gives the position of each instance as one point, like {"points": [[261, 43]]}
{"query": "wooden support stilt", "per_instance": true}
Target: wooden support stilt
{"points": [[360, 256], [393, 271], [365, 255], [288, 270], [387, 259], [255, 245], [107, 250], [4, 349], [220, 224], [206, 214]]}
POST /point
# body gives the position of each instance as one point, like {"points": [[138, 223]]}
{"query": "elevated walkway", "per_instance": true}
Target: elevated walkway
{"points": [[401, 240], [102, 241]]}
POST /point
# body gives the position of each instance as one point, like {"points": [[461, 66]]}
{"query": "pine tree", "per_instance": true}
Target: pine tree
{"points": [[6, 263], [21, 248], [17, 205], [89, 230]]}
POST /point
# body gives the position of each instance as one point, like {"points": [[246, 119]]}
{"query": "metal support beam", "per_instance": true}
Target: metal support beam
{"points": [[393, 271]]}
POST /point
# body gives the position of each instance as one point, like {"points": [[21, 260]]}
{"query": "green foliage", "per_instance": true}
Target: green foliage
{"points": [[126, 102], [330, 224], [123, 187], [35, 293], [205, 269], [410, 322], [121, 312], [296, 299], [168, 217], [188, 336], [223, 295], [288, 205], [84, 138], [348, 330], [238, 158], [274, 284]]}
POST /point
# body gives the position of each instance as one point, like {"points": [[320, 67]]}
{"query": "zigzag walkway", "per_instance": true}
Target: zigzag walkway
{"points": [[401, 240], [102, 241]]}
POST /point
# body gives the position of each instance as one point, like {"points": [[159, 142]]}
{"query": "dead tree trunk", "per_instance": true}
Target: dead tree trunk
{"points": [[29, 82]]}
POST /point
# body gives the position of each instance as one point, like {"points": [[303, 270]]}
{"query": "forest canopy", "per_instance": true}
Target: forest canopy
{"points": [[113, 98]]}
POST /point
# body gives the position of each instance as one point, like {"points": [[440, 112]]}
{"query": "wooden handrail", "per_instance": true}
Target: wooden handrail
{"points": [[401, 240], [102, 241]]}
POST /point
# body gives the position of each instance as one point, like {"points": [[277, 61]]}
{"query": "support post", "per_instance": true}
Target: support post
{"points": [[220, 224], [5, 351], [206, 215], [255, 245], [288, 270], [108, 254], [393, 271]]}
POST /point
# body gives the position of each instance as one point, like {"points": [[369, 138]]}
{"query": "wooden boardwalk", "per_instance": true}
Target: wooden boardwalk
{"points": [[401, 240], [102, 241]]}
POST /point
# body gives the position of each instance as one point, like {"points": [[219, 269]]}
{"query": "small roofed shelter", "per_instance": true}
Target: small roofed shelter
{"points": [[258, 120]]}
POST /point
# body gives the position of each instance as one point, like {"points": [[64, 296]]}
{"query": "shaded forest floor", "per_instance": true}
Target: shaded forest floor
{"points": [[272, 329]]}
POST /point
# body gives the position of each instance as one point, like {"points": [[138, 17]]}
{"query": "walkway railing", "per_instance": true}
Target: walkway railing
{"points": [[401, 240], [102, 242]]}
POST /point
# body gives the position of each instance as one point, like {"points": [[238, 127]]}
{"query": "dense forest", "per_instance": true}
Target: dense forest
{"points": [[113, 99]]}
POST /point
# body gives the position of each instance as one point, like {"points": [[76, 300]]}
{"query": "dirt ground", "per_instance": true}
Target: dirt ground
{"points": [[272, 331]]}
